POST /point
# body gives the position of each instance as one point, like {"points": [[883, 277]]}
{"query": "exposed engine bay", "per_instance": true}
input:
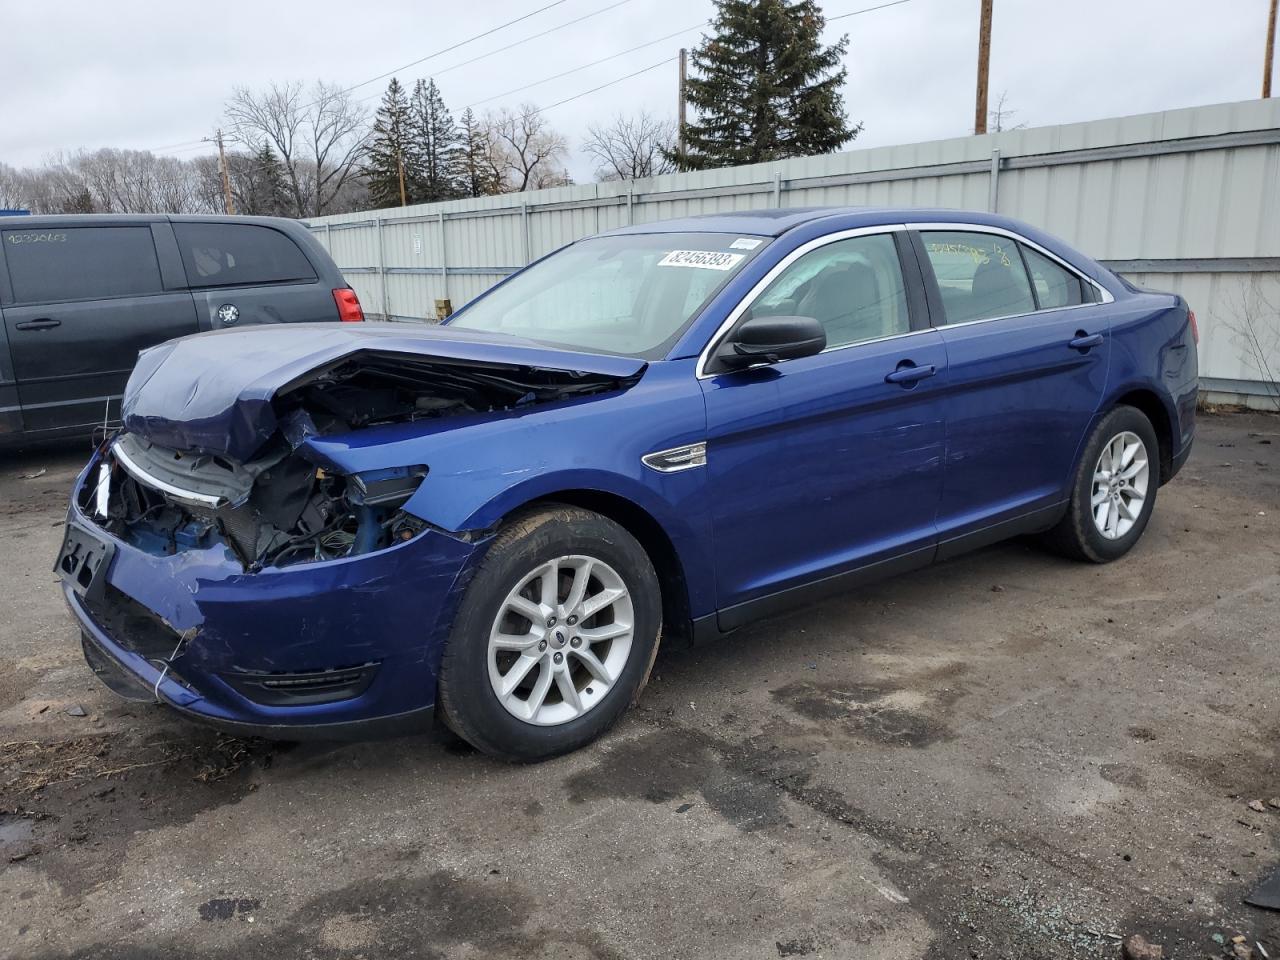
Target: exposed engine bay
{"points": [[279, 508]]}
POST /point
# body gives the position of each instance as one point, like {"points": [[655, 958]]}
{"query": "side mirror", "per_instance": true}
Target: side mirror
{"points": [[770, 339]]}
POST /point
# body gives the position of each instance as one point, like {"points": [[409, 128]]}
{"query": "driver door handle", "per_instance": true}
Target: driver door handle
{"points": [[912, 374], [44, 323]]}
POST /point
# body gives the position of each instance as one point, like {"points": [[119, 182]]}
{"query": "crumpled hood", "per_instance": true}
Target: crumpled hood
{"points": [[212, 392]]}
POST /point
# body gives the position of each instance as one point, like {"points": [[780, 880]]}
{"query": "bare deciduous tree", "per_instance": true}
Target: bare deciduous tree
{"points": [[524, 153], [631, 147], [318, 133], [1001, 118]]}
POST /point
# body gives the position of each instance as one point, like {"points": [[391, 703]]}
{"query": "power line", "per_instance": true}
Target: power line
{"points": [[854, 13], [509, 46], [584, 93], [593, 63], [455, 46]]}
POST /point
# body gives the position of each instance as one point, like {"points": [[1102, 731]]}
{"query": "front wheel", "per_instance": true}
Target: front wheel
{"points": [[1114, 490], [554, 637]]}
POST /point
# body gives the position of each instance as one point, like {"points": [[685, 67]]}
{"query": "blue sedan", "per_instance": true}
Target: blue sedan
{"points": [[670, 430]]}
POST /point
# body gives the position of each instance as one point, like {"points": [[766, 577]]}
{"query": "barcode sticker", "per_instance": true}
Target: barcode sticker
{"points": [[704, 259]]}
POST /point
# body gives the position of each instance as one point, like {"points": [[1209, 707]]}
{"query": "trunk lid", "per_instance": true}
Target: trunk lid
{"points": [[216, 393]]}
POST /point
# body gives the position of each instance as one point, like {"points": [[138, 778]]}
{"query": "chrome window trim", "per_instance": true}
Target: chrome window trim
{"points": [[955, 227], [1106, 294], [754, 293]]}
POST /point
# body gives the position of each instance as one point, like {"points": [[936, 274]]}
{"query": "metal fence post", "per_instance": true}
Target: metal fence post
{"points": [[328, 238], [993, 188], [524, 229], [444, 257], [777, 188], [631, 198], [382, 273]]}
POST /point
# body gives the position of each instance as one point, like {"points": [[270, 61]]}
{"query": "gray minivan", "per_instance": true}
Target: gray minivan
{"points": [[81, 295]]}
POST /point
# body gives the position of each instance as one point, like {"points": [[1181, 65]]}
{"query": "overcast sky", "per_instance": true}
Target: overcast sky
{"points": [[145, 75]]}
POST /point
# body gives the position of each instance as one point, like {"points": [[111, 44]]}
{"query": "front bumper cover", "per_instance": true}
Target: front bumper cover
{"points": [[391, 608]]}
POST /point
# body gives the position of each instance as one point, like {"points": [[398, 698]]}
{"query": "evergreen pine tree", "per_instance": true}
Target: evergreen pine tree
{"points": [[478, 179], [435, 146], [264, 192], [389, 147], [764, 87]]}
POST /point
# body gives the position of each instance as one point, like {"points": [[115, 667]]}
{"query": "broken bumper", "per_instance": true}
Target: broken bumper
{"points": [[336, 648]]}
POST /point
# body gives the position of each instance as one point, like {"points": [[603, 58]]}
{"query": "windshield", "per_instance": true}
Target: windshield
{"points": [[631, 295]]}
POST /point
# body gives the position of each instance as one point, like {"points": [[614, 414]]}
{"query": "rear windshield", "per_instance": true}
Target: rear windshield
{"points": [[631, 295]]}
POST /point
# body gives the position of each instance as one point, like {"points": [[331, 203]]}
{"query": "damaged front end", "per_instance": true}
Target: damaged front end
{"points": [[222, 455], [276, 510]]}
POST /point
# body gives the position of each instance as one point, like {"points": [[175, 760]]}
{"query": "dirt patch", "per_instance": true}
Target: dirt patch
{"points": [[85, 796], [425, 917], [867, 711]]}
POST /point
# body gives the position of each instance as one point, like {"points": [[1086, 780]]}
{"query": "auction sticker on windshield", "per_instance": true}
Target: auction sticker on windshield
{"points": [[705, 259]]}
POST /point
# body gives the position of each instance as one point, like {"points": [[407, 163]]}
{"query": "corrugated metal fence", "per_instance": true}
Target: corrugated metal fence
{"points": [[1186, 200]]}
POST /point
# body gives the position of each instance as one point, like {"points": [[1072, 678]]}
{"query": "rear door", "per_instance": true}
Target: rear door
{"points": [[10, 410], [85, 300], [1027, 353], [247, 273]]}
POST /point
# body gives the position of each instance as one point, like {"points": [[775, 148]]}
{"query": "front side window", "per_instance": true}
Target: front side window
{"points": [[81, 263], [853, 287], [238, 254], [980, 275], [632, 294]]}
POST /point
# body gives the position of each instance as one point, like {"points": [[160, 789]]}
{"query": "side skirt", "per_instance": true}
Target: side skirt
{"points": [[729, 619]]}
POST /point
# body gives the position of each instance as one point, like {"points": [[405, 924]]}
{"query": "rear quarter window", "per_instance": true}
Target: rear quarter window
{"points": [[239, 254], [81, 263]]}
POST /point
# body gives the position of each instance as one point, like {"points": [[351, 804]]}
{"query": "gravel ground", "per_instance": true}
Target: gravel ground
{"points": [[1008, 755]]}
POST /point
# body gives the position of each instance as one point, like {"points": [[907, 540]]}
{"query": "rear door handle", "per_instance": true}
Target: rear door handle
{"points": [[908, 375], [44, 323], [1084, 341]]}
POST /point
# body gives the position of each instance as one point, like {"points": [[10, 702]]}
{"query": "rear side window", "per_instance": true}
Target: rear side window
{"points": [[81, 263], [1055, 286], [980, 275], [238, 254]]}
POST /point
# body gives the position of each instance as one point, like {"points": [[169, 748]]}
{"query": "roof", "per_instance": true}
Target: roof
{"points": [[59, 220], [775, 222]]}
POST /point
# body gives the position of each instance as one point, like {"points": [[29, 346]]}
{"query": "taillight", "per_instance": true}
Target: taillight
{"points": [[1195, 330], [348, 305]]}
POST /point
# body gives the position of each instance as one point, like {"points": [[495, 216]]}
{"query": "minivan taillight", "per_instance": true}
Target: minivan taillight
{"points": [[348, 305], [1195, 329]]}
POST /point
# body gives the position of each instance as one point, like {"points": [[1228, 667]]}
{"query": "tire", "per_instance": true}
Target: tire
{"points": [[488, 684], [1080, 534]]}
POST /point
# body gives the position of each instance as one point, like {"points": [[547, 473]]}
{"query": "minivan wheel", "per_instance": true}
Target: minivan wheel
{"points": [[1114, 490], [554, 637]]}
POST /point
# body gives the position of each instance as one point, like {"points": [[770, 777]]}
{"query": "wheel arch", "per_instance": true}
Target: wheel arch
{"points": [[1149, 403], [677, 613]]}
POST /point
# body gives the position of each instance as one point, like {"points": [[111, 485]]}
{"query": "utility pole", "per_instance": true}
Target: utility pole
{"points": [[984, 64], [683, 76], [1269, 59], [400, 165], [226, 175]]}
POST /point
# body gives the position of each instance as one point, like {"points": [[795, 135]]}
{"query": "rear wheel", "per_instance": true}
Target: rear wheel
{"points": [[554, 638], [1114, 490]]}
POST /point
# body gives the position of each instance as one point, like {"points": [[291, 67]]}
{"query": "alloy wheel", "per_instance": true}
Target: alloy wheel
{"points": [[1120, 483], [560, 640]]}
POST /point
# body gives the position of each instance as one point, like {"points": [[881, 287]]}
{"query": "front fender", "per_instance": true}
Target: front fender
{"points": [[481, 467]]}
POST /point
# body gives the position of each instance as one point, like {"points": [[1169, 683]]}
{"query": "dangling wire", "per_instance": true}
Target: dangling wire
{"points": [[155, 692]]}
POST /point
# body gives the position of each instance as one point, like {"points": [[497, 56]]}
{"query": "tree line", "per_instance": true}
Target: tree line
{"points": [[763, 87]]}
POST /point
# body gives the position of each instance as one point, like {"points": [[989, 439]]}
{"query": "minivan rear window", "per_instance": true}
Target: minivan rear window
{"points": [[239, 254], [81, 263]]}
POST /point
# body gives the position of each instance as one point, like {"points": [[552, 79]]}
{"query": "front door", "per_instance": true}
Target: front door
{"points": [[1027, 353], [824, 465], [86, 300]]}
